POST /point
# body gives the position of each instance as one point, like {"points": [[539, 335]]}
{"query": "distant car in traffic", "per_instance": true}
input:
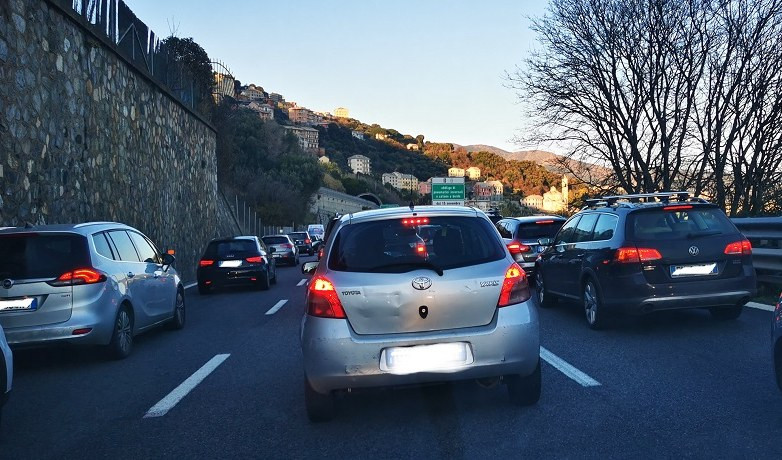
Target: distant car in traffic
{"points": [[303, 242], [236, 261], [6, 372], [777, 341], [97, 283], [285, 251], [642, 253], [521, 235], [316, 231], [381, 311]]}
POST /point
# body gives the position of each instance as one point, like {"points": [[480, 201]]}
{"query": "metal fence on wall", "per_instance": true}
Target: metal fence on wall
{"points": [[115, 21]]}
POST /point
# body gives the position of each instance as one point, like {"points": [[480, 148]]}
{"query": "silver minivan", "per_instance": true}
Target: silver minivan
{"points": [[97, 283], [385, 307]]}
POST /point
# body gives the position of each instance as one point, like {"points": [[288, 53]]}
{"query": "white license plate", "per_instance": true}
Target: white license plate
{"points": [[693, 270], [18, 304], [426, 358], [276, 256], [230, 263]]}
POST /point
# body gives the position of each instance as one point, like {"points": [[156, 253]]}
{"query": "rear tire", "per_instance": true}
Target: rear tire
{"points": [[274, 280], [121, 343], [263, 283], [525, 390], [593, 305], [726, 313], [320, 407], [545, 300]]}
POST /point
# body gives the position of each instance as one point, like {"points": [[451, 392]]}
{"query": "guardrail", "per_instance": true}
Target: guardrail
{"points": [[765, 234]]}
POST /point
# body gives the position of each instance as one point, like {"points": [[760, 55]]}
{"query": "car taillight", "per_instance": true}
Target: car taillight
{"points": [[307, 241], [205, 262], [515, 288], [322, 300], [678, 207], [79, 276], [420, 249], [739, 247], [255, 260], [541, 222], [413, 222], [287, 245], [628, 255], [518, 248]]}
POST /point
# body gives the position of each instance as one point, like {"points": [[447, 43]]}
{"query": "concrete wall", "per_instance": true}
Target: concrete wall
{"points": [[86, 136], [327, 202]]}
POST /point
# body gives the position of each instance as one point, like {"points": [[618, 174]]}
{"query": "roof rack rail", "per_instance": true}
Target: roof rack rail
{"points": [[86, 224], [632, 200]]}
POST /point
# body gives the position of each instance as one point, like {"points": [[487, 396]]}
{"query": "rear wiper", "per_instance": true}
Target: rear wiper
{"points": [[707, 233], [422, 264]]}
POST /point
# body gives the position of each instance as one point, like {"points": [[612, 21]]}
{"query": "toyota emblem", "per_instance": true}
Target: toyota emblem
{"points": [[694, 250], [422, 283], [8, 283]]}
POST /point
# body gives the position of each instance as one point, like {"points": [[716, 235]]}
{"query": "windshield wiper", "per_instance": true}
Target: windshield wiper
{"points": [[706, 233], [422, 264]]}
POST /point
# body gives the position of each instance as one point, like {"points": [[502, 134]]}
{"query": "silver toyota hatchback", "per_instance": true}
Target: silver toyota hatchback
{"points": [[96, 283], [388, 307]]}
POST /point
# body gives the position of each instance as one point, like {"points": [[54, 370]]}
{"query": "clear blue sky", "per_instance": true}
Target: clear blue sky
{"points": [[421, 67]]}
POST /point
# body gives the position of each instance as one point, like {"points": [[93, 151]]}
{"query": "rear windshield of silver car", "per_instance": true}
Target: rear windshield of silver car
{"points": [[678, 222], [404, 244], [545, 228], [38, 255], [275, 239]]}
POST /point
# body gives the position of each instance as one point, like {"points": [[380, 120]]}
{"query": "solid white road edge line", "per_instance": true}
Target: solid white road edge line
{"points": [[760, 306], [188, 286], [302, 282], [276, 307], [566, 368], [164, 405]]}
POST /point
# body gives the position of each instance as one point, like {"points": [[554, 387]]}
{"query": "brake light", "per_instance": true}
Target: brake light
{"points": [[518, 248], [629, 255], [545, 222], [255, 260], [307, 241], [678, 207], [79, 276], [419, 221], [205, 262], [739, 247], [420, 249], [515, 288], [287, 245], [322, 300]]}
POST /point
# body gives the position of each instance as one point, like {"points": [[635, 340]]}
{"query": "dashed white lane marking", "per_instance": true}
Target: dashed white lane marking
{"points": [[188, 286], [302, 282], [760, 306], [566, 368], [164, 405], [276, 307]]}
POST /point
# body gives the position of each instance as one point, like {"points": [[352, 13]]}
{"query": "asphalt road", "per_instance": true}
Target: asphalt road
{"points": [[668, 386]]}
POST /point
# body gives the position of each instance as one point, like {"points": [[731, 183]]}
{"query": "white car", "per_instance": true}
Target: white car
{"points": [[6, 371]]}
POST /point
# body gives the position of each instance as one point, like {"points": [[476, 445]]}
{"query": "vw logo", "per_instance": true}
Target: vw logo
{"points": [[7, 283], [694, 250], [422, 283]]}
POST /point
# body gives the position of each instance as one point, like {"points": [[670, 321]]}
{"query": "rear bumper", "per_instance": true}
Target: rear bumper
{"points": [[284, 257], [637, 297], [102, 327], [232, 276], [336, 358]]}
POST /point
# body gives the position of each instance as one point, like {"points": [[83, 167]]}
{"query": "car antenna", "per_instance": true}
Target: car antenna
{"points": [[412, 205]]}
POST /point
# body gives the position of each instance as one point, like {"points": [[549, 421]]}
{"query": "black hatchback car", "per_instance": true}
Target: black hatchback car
{"points": [[638, 254], [302, 241], [521, 235], [238, 260]]}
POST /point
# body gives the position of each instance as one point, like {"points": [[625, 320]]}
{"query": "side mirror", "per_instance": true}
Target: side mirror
{"points": [[309, 268], [545, 241], [168, 260], [272, 250]]}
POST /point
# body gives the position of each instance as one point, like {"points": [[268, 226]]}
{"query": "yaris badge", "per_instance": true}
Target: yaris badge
{"points": [[694, 250], [422, 283]]}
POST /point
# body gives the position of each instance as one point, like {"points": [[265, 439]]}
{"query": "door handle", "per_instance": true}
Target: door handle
{"points": [[131, 274]]}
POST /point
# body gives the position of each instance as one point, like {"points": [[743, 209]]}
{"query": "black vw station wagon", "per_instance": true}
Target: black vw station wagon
{"points": [[637, 254]]}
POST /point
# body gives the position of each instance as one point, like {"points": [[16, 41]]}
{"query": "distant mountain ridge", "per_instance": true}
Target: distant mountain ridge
{"points": [[549, 160]]}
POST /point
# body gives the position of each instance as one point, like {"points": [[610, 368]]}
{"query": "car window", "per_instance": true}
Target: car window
{"points": [[502, 227], [146, 252], [234, 248], [102, 245], [127, 252], [35, 255], [299, 235], [678, 223], [565, 235], [605, 227], [394, 245], [544, 228], [275, 240], [584, 228]]}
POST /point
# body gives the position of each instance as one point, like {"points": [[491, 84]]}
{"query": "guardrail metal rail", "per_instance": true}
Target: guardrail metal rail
{"points": [[765, 234]]}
